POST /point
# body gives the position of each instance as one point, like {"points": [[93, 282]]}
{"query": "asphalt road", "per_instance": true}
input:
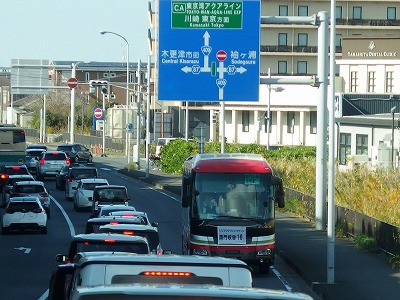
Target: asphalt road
{"points": [[27, 259]]}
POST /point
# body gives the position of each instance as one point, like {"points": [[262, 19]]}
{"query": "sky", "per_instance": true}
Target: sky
{"points": [[70, 30]]}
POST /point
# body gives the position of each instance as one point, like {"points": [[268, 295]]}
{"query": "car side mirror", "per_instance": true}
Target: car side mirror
{"points": [[61, 258], [154, 224]]}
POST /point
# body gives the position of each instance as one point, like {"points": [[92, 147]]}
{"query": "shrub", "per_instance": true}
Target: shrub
{"points": [[366, 243]]}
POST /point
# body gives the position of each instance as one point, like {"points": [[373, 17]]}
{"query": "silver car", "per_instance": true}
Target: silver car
{"points": [[50, 163], [84, 192]]}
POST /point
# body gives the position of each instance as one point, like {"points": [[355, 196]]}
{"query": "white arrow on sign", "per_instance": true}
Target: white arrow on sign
{"points": [[26, 250]]}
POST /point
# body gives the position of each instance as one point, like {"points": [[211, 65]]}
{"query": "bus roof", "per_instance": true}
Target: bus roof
{"points": [[228, 163]]}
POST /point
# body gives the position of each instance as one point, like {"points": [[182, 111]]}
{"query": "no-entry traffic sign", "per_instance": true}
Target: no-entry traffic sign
{"points": [[98, 113], [221, 55], [72, 82]]}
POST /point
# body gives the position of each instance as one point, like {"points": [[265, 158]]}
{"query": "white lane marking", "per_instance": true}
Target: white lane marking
{"points": [[283, 280], [71, 227], [26, 250], [71, 231], [105, 169]]}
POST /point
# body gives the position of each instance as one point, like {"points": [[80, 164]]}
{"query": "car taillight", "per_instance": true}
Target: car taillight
{"points": [[113, 223], [15, 167], [165, 273], [3, 176], [109, 240], [42, 161], [126, 232], [68, 161], [69, 180], [43, 195]]}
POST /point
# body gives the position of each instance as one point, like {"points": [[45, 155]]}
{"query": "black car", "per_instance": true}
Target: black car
{"points": [[76, 152], [61, 177], [8, 170]]}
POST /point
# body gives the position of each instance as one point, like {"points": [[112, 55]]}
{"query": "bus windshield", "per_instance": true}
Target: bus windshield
{"points": [[242, 195]]}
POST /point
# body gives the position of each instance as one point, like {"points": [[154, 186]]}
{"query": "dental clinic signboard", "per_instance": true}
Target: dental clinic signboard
{"points": [[209, 50]]}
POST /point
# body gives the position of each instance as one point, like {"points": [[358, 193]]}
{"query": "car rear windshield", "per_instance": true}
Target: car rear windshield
{"points": [[33, 153], [29, 189], [110, 195], [22, 207], [17, 170], [109, 245], [91, 186], [83, 173], [55, 156]]}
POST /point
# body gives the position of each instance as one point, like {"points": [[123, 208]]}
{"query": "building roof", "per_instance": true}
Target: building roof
{"points": [[379, 120]]}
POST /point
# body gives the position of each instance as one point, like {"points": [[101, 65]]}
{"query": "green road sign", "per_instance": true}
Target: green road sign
{"points": [[207, 14]]}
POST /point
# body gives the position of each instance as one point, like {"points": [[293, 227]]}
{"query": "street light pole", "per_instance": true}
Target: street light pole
{"points": [[269, 109], [72, 122], [127, 140], [392, 110]]}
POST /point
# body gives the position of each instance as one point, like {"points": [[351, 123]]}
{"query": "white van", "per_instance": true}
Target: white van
{"points": [[99, 268]]}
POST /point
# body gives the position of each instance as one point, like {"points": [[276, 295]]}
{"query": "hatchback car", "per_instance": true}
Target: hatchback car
{"points": [[31, 158], [84, 192], [75, 175], [50, 163], [24, 213], [32, 188], [76, 152], [105, 242], [8, 170]]}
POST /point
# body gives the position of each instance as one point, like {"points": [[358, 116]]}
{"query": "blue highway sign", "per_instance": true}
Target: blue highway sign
{"points": [[209, 50]]}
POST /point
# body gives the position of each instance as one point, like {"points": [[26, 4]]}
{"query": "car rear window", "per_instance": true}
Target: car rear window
{"points": [[16, 170], [110, 245], [83, 173], [22, 207], [29, 189], [110, 195], [55, 156], [91, 186]]}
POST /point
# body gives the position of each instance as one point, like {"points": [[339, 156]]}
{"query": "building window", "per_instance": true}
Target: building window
{"points": [[371, 81], [290, 122], [302, 11], [361, 144], [301, 67], [266, 122], [313, 122], [391, 13], [282, 39], [338, 40], [302, 39], [344, 147], [283, 10], [339, 13], [357, 12], [132, 77], [282, 67], [87, 76], [389, 82], [245, 121], [353, 81]]}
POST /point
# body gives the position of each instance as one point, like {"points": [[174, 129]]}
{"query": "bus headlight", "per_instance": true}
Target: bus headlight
{"points": [[264, 252], [200, 252]]}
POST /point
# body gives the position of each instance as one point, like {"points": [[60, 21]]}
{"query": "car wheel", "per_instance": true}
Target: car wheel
{"points": [[43, 230]]}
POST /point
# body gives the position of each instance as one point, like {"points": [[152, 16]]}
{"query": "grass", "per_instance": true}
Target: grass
{"points": [[366, 243]]}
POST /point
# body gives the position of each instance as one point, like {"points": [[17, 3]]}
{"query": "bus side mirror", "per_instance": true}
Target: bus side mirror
{"points": [[186, 192], [279, 191]]}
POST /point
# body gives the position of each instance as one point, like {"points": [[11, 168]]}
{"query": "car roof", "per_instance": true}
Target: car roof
{"points": [[32, 182], [110, 186], [14, 166], [103, 236], [94, 180], [133, 212], [105, 219], [36, 146], [34, 149], [22, 176], [118, 207], [134, 227], [24, 199]]}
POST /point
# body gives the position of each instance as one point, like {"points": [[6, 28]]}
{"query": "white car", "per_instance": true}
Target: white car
{"points": [[24, 213], [84, 192]]}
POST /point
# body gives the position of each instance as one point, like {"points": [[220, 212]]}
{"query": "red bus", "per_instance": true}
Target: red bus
{"points": [[228, 207]]}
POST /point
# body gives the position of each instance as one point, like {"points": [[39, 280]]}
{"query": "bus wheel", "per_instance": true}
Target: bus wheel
{"points": [[263, 268]]}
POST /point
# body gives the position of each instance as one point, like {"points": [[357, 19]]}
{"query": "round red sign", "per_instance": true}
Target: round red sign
{"points": [[98, 113], [72, 82], [221, 55]]}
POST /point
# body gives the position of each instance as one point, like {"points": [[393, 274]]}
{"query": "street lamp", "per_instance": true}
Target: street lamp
{"points": [[72, 122], [127, 140], [392, 110]]}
